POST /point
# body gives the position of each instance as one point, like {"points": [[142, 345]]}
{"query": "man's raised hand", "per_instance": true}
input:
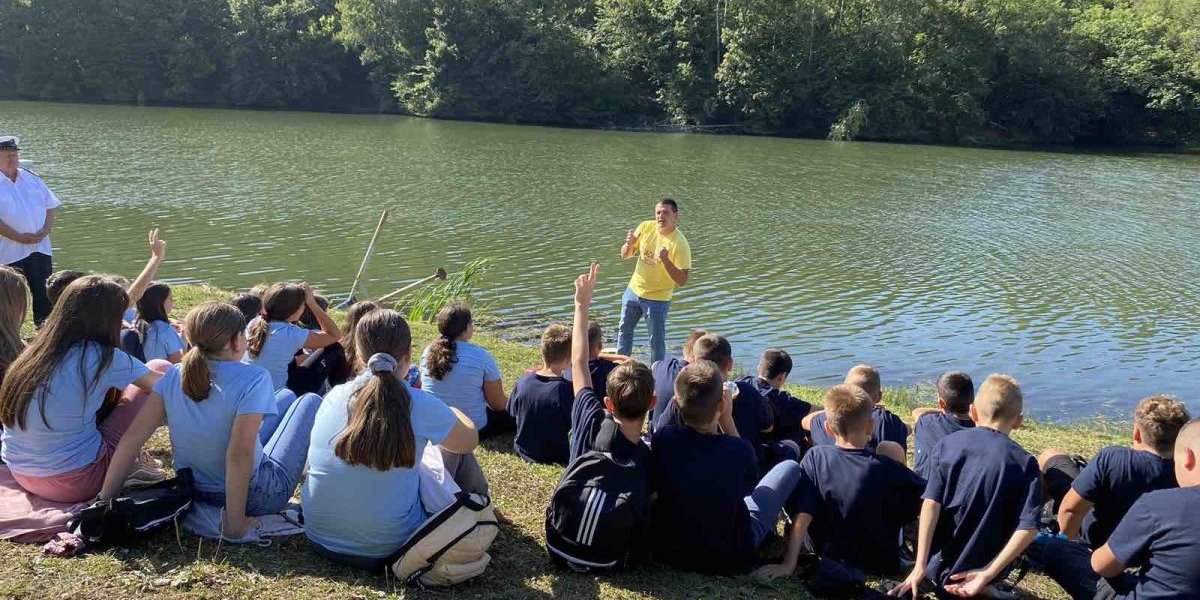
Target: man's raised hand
{"points": [[630, 237]]}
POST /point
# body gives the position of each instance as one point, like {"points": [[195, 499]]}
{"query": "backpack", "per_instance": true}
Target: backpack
{"points": [[598, 515], [131, 344], [451, 546], [123, 520]]}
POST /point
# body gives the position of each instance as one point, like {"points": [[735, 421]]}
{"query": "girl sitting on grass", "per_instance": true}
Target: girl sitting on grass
{"points": [[54, 441], [274, 339], [361, 497], [153, 324], [14, 294], [218, 410]]}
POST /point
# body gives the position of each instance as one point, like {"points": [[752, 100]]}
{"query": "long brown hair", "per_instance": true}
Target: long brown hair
{"points": [[353, 316], [378, 432], [211, 327], [14, 299], [452, 321], [88, 312], [280, 302], [151, 307]]}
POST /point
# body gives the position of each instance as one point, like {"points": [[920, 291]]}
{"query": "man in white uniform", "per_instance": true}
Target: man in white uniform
{"points": [[26, 217]]}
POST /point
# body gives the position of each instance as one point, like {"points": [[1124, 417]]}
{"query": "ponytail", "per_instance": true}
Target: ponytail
{"points": [[279, 303], [197, 376], [258, 337], [452, 321], [378, 432], [212, 327]]}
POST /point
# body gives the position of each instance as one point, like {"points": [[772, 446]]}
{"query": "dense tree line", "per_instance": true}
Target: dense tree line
{"points": [[1049, 71]]}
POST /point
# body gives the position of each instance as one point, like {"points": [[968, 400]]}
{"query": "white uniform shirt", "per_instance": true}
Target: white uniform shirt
{"points": [[23, 206]]}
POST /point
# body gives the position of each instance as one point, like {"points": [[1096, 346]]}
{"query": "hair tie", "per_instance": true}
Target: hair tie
{"points": [[382, 363]]}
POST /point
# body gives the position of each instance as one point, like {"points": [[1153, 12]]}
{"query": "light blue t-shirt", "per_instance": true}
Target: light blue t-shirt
{"points": [[359, 510], [462, 387], [130, 315], [161, 341], [284, 340], [68, 439], [200, 431]]}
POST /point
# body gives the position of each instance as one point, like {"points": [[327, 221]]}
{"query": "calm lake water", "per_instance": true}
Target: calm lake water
{"points": [[1077, 273]]}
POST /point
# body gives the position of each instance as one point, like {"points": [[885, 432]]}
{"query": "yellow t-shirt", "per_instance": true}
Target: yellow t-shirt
{"points": [[650, 278]]}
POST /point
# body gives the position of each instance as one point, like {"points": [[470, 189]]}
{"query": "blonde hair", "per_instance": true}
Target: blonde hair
{"points": [[999, 398], [1160, 418], [847, 407], [14, 300], [211, 328], [867, 378]]}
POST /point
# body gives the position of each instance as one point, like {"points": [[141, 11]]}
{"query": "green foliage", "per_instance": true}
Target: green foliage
{"points": [[423, 305], [949, 71]]}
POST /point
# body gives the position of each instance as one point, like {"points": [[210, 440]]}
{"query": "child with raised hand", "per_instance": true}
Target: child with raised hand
{"points": [[1092, 501], [955, 392], [218, 411], [851, 500], [59, 280], [612, 423], [1158, 537], [541, 403], [362, 494], [712, 512], [54, 442], [982, 501], [159, 338], [274, 338]]}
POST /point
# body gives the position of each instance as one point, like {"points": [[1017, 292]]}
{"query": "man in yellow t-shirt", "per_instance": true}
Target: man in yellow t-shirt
{"points": [[663, 262]]}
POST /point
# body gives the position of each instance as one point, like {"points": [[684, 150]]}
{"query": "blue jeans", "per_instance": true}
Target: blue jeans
{"points": [[283, 401], [284, 455], [769, 498], [633, 308]]}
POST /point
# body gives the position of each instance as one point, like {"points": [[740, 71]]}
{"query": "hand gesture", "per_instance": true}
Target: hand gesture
{"points": [[309, 299], [630, 237], [664, 255], [968, 584], [29, 238], [774, 571], [158, 246], [911, 584], [585, 286]]}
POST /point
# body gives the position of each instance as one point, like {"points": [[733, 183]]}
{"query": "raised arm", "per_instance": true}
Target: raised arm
{"points": [[158, 252], [329, 332], [585, 285], [630, 248]]}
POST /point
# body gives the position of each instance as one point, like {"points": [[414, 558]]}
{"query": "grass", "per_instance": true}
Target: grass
{"points": [[176, 565]]}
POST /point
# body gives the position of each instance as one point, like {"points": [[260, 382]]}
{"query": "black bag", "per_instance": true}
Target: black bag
{"points": [[599, 514], [131, 344], [123, 520]]}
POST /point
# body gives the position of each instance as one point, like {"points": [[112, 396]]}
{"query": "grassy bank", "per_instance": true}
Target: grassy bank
{"points": [[181, 566]]}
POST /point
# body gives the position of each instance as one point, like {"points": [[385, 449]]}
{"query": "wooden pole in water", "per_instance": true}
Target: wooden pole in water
{"points": [[366, 259], [439, 274]]}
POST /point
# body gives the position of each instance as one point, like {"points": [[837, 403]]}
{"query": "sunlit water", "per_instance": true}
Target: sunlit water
{"points": [[1077, 273]]}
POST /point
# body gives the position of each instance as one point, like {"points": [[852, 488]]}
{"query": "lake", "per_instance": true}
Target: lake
{"points": [[1078, 273]]}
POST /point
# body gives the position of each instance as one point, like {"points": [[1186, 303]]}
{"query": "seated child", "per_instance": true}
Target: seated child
{"points": [[788, 411], [1093, 501], [362, 495], [751, 412], [218, 411], [541, 403], [599, 364], [613, 422], [274, 338], [249, 305], [887, 425], [711, 512], [851, 500], [982, 502], [1158, 537], [159, 339], [955, 392], [665, 372]]}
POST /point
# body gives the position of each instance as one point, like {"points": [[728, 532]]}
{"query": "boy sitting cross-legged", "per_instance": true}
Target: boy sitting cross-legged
{"points": [[541, 403], [852, 501], [982, 502], [711, 512]]}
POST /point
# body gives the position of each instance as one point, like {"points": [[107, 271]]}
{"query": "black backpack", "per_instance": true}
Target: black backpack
{"points": [[599, 514], [121, 521]]}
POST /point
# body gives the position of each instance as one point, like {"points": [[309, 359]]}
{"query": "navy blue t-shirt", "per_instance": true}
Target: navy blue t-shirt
{"points": [[664, 371], [859, 502], [787, 411], [751, 414], [1113, 481], [1159, 537], [599, 370], [887, 427], [988, 487], [542, 407], [928, 431], [699, 519]]}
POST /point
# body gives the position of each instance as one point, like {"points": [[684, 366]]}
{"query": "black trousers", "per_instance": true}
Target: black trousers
{"points": [[37, 268]]}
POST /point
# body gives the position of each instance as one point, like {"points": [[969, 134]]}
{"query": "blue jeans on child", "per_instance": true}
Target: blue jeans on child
{"points": [[633, 308], [284, 455], [769, 498]]}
